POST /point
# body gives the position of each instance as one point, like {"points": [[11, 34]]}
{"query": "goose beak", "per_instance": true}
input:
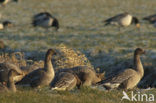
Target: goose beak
{"points": [[138, 25]]}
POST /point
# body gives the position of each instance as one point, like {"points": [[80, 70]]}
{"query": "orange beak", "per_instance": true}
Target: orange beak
{"points": [[138, 25]]}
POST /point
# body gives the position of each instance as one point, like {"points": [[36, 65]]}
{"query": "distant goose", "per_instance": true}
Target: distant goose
{"points": [[45, 19], [129, 78], [4, 2], [151, 18], [65, 81], [10, 83], [43, 76], [5, 24], [124, 19], [86, 75], [5, 67]]}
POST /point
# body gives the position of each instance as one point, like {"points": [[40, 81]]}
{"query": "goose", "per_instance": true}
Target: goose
{"points": [[5, 67], [128, 78], [4, 2], [5, 24], [151, 18], [10, 83], [86, 75], [65, 81], [45, 20], [123, 19], [42, 76]]}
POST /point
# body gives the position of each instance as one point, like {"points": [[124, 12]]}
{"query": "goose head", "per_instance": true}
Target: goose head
{"points": [[139, 51], [50, 53], [135, 21], [7, 24], [55, 23]]}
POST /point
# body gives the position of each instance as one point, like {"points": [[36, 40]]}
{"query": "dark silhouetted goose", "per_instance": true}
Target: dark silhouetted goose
{"points": [[124, 19], [4, 2], [5, 24], [151, 18], [86, 75], [5, 67], [65, 81], [128, 78], [42, 76], [45, 19], [10, 83]]}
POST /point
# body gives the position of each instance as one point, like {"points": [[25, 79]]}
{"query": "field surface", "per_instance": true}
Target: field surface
{"points": [[82, 29]]}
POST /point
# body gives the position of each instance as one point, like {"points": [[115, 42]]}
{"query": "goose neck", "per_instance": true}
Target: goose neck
{"points": [[138, 65]]}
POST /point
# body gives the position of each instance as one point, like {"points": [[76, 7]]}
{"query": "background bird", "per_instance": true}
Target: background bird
{"points": [[45, 20]]}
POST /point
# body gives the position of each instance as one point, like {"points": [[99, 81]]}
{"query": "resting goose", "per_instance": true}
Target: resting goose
{"points": [[10, 83], [46, 20], [5, 24], [5, 67], [129, 78], [65, 81], [4, 2], [86, 75], [123, 19], [42, 76]]}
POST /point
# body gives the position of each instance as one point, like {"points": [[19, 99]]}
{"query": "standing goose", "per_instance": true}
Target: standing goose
{"points": [[123, 19], [86, 75], [65, 81], [46, 20], [42, 76], [5, 67], [10, 83], [4, 2], [129, 78]]}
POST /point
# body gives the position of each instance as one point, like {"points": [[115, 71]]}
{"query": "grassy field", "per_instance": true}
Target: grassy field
{"points": [[81, 28]]}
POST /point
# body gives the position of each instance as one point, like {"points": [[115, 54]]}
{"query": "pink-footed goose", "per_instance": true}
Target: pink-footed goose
{"points": [[5, 67], [86, 75], [42, 76], [65, 81], [10, 83], [129, 78]]}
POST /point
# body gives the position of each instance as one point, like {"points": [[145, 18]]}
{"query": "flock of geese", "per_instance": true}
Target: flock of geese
{"points": [[69, 78]]}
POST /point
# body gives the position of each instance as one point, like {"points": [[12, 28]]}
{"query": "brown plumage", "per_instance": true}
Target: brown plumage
{"points": [[10, 83], [42, 76], [86, 75], [5, 67], [128, 78], [65, 81]]}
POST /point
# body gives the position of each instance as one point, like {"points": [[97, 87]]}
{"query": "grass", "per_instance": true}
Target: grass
{"points": [[81, 28]]}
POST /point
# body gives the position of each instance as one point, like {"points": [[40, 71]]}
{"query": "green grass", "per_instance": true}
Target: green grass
{"points": [[85, 95], [81, 28]]}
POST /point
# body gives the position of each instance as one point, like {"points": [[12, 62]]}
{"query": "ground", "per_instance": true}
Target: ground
{"points": [[81, 28]]}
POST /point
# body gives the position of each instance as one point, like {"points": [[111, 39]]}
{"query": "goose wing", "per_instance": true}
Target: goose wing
{"points": [[31, 77], [115, 18], [116, 80], [150, 18], [64, 80]]}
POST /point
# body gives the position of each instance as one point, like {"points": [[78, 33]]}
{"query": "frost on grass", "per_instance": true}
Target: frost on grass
{"points": [[16, 58], [68, 58]]}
